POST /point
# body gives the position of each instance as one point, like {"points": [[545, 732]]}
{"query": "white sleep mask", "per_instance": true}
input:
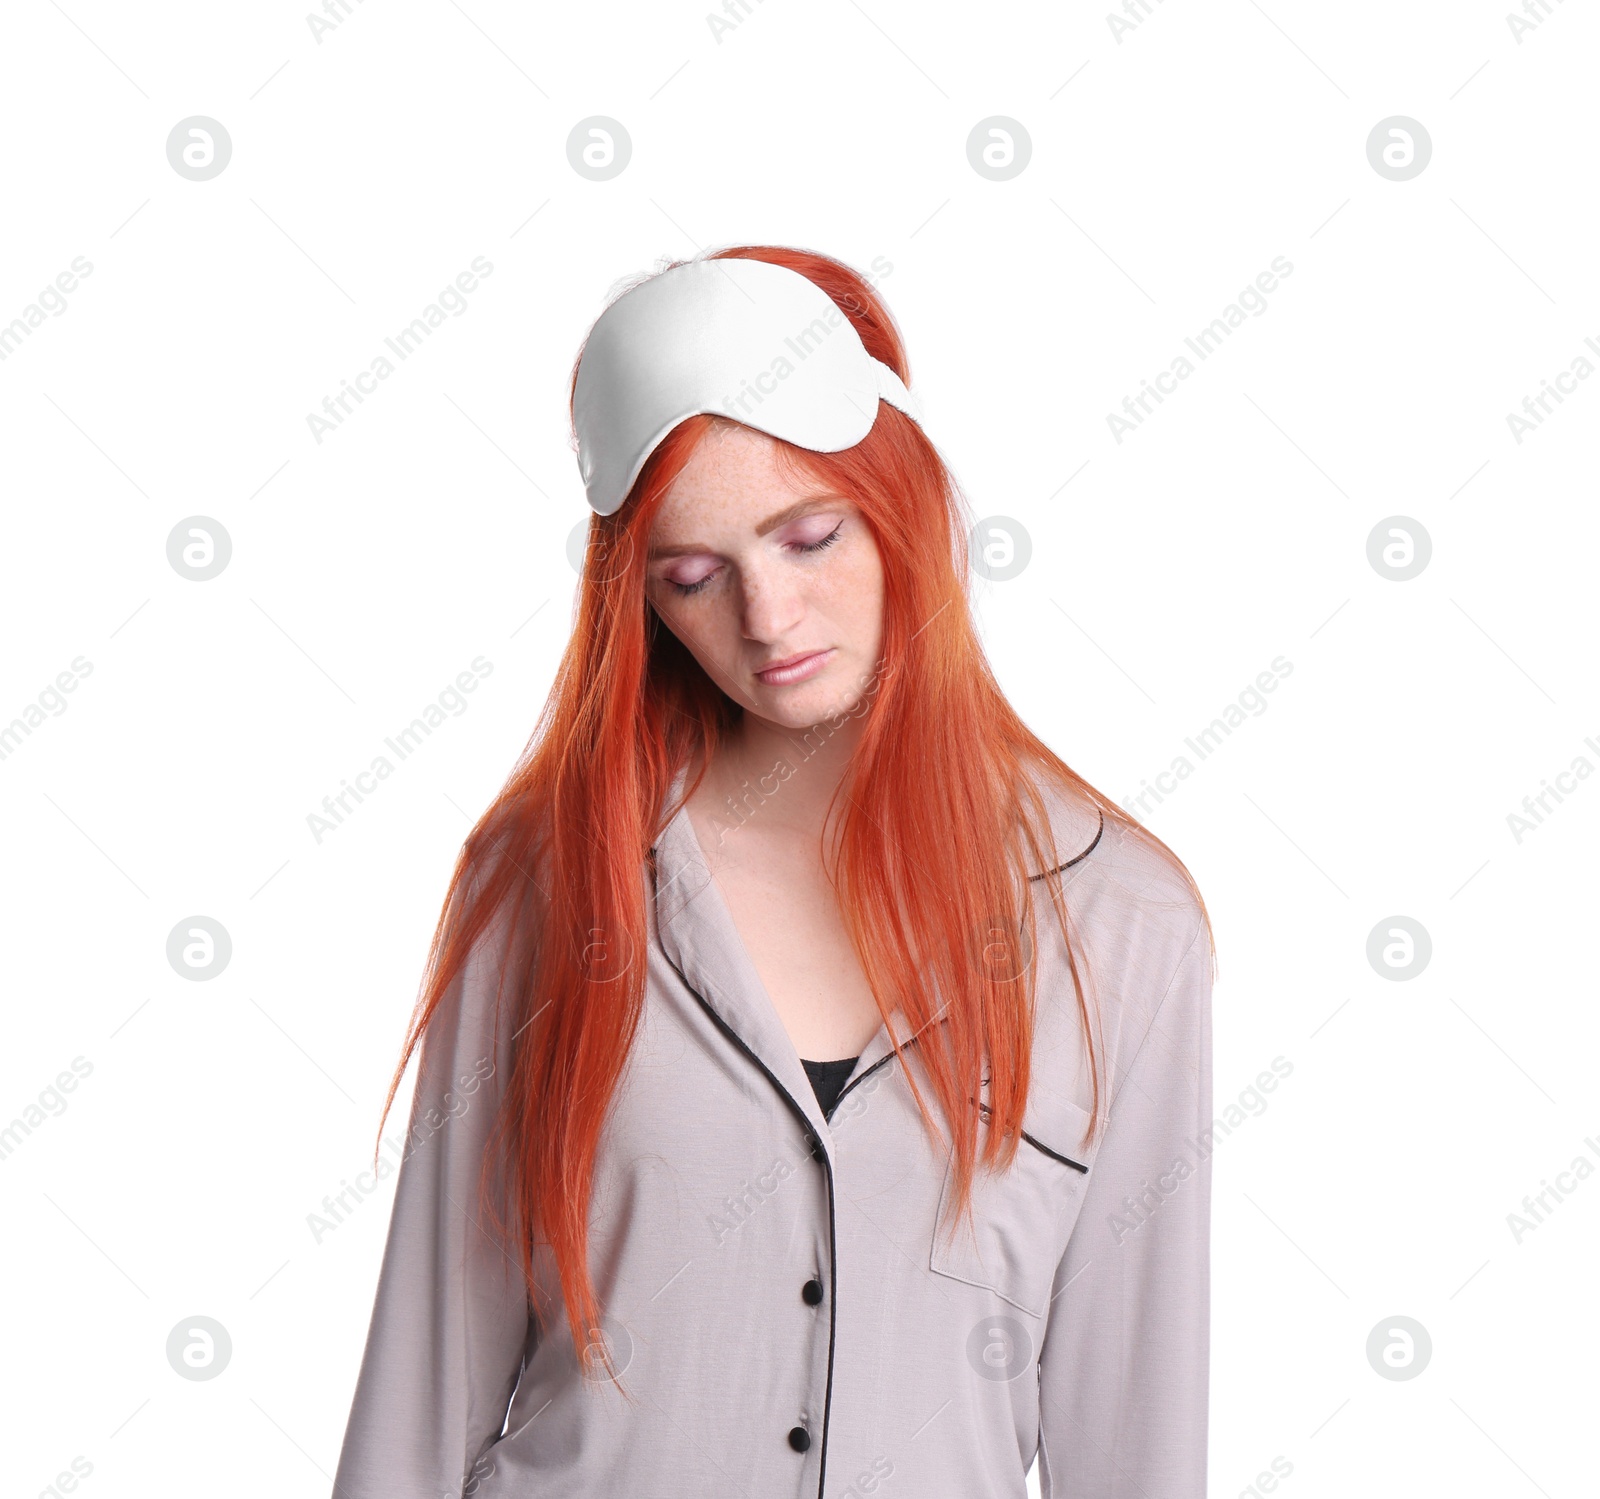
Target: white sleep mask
{"points": [[745, 339]]}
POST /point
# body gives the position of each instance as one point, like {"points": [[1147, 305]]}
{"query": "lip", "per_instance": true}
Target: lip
{"points": [[794, 669]]}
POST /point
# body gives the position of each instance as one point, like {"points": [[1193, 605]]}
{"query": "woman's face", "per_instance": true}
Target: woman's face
{"points": [[773, 584]]}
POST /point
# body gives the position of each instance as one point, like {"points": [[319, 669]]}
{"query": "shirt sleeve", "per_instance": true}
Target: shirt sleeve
{"points": [[451, 1323], [1124, 1369]]}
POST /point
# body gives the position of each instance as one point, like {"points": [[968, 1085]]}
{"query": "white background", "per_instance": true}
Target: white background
{"points": [[1167, 169]]}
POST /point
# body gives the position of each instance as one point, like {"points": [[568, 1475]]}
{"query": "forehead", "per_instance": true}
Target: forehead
{"points": [[735, 479]]}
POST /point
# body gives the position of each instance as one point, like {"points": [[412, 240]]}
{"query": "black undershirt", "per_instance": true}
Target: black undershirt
{"points": [[827, 1078]]}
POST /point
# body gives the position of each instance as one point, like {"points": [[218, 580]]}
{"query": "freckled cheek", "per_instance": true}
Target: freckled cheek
{"points": [[711, 632], [851, 598]]}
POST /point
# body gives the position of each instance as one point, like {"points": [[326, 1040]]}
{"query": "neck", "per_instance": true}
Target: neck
{"points": [[787, 777]]}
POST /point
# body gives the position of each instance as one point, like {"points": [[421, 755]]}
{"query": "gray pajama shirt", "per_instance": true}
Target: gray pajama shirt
{"points": [[780, 1308]]}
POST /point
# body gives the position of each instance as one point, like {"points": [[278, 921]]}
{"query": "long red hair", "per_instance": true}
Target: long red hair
{"points": [[940, 822]]}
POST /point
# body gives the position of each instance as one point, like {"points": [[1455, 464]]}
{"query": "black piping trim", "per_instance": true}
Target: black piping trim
{"points": [[1054, 1155], [882, 1061], [827, 1162], [833, 1251], [1070, 862]]}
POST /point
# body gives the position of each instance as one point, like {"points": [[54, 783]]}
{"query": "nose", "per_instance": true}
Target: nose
{"points": [[770, 602]]}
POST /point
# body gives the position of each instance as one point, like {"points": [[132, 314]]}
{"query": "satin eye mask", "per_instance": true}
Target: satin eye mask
{"points": [[745, 339]]}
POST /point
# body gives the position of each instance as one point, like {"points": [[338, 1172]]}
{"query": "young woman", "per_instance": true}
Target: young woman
{"points": [[815, 1085]]}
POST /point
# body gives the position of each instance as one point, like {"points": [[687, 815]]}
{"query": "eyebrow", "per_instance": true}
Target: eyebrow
{"points": [[771, 523]]}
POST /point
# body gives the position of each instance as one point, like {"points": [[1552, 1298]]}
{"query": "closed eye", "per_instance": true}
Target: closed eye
{"points": [[817, 546], [683, 590], [688, 588]]}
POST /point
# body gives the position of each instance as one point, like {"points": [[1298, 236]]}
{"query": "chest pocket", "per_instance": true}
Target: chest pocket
{"points": [[1022, 1219]]}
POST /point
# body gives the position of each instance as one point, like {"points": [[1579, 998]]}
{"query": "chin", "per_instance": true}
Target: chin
{"points": [[807, 704]]}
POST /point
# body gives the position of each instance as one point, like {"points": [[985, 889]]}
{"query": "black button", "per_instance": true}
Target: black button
{"points": [[815, 1146], [799, 1438], [812, 1291]]}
